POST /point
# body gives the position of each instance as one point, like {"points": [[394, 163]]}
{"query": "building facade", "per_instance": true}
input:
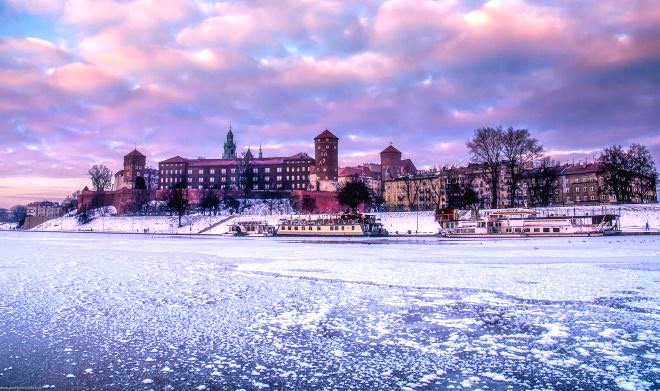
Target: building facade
{"points": [[134, 166], [540, 185], [48, 209], [232, 174]]}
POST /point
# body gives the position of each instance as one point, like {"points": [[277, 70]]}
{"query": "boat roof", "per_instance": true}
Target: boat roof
{"points": [[514, 212]]}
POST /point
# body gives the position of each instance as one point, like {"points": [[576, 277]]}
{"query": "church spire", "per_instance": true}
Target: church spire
{"points": [[261, 155], [230, 146]]}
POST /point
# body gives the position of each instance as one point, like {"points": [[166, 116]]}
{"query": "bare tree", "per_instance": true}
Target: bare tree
{"points": [[101, 177], [622, 166], [487, 150], [411, 189], [543, 183], [352, 194], [177, 200], [437, 191], [245, 176], [518, 149]]}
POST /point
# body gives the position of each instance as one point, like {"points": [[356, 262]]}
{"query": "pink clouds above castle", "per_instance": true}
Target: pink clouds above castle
{"points": [[83, 81]]}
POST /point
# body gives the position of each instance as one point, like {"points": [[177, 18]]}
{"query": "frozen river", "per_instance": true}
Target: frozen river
{"points": [[99, 311]]}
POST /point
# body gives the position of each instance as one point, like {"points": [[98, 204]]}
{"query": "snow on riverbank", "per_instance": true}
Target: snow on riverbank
{"points": [[633, 218], [7, 226]]}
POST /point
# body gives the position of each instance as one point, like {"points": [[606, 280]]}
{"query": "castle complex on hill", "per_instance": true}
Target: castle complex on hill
{"points": [[394, 180], [297, 176], [280, 173]]}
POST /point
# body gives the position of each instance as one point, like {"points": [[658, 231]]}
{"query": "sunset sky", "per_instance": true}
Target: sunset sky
{"points": [[83, 81]]}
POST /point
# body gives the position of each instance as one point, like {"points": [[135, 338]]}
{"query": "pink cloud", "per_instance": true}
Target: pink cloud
{"points": [[82, 78]]}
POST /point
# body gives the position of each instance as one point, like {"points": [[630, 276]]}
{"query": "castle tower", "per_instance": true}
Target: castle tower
{"points": [[134, 164], [230, 146], [326, 153], [390, 162]]}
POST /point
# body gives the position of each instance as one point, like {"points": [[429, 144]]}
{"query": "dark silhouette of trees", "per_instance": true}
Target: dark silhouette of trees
{"points": [[101, 177], [460, 191], [543, 183], [519, 149], [352, 194], [177, 200], [620, 168], [83, 215], [246, 175], [210, 201], [486, 149], [230, 203], [18, 214], [494, 148]]}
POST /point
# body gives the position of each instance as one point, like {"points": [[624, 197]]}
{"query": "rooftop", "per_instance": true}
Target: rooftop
{"points": [[326, 134]]}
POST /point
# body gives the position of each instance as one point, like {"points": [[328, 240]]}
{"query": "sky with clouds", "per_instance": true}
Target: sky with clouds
{"points": [[83, 81]]}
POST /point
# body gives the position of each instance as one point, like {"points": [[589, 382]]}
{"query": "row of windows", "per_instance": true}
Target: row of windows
{"points": [[586, 198], [136, 167], [211, 171]]}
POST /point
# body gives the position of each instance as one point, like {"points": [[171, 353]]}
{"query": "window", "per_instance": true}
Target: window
{"points": [[200, 171], [212, 179], [555, 230], [278, 178], [279, 169], [223, 171], [233, 171], [189, 172], [212, 171], [267, 169]]}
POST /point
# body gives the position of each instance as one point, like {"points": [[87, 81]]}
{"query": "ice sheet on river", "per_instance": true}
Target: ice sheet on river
{"points": [[112, 311]]}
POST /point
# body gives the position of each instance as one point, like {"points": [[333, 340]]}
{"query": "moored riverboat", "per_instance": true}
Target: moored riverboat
{"points": [[251, 228], [346, 224], [524, 223]]}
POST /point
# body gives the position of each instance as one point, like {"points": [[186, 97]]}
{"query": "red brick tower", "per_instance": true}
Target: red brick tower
{"points": [[390, 162], [326, 153], [134, 164]]}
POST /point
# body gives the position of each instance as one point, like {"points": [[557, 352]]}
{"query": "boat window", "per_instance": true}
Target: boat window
{"points": [[546, 229], [353, 227], [555, 230], [318, 227], [295, 228], [342, 227], [537, 229]]}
